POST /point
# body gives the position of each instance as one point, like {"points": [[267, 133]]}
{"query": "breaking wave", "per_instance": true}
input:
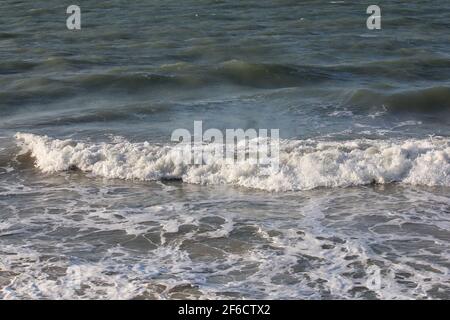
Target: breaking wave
{"points": [[303, 164], [428, 100]]}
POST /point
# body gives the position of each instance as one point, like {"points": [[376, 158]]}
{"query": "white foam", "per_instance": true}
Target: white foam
{"points": [[262, 248], [304, 164]]}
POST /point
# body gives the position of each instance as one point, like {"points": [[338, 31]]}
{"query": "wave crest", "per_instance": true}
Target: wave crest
{"points": [[304, 164], [428, 100]]}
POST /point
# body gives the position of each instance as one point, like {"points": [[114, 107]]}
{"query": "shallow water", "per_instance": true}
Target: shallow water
{"points": [[365, 150]]}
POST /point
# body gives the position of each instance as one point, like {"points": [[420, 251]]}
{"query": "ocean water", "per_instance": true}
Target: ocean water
{"points": [[96, 203]]}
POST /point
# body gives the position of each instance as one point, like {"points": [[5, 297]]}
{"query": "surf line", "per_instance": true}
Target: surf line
{"points": [[189, 310]]}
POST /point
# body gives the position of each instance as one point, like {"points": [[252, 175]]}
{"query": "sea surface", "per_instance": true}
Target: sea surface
{"points": [[95, 202]]}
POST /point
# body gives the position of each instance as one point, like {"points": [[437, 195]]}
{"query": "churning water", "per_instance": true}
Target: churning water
{"points": [[364, 178]]}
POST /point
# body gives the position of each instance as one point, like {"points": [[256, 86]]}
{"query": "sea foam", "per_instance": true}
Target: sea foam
{"points": [[303, 164]]}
